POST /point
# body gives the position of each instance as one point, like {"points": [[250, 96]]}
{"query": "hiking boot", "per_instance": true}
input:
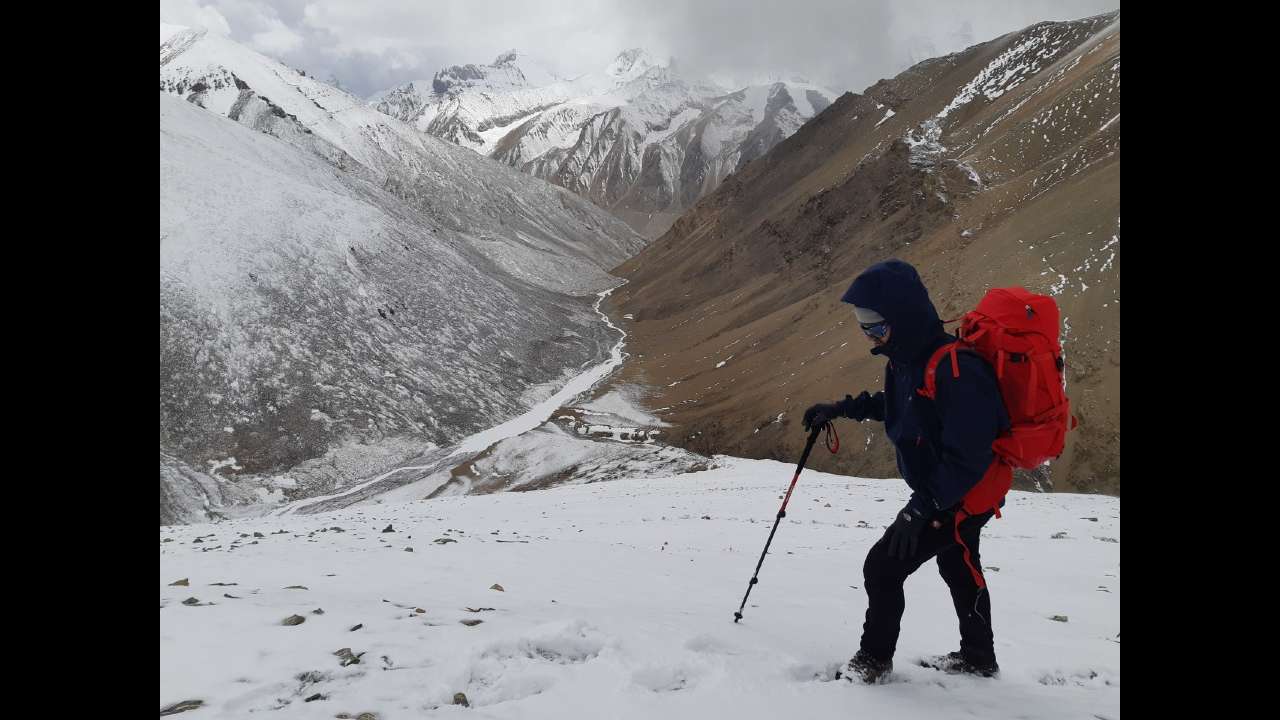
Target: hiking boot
{"points": [[868, 669], [954, 663]]}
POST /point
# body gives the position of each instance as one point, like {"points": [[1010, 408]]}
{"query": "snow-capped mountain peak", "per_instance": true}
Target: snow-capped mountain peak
{"points": [[631, 64], [596, 134]]}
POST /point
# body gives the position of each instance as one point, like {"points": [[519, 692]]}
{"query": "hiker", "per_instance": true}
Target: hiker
{"points": [[944, 448]]}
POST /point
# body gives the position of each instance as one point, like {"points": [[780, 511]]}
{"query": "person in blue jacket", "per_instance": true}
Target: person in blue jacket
{"points": [[943, 449]]}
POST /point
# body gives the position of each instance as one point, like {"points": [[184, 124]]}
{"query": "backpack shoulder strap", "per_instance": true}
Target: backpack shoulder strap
{"points": [[930, 389]]}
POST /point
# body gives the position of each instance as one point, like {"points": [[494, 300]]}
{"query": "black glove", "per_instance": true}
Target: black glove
{"points": [[850, 407], [821, 414], [904, 534]]}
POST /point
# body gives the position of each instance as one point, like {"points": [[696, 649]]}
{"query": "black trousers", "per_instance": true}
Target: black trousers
{"points": [[883, 576]]}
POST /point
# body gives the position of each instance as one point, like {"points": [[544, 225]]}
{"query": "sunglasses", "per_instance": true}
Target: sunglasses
{"points": [[875, 330]]}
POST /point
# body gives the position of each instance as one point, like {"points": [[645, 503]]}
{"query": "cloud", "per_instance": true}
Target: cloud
{"points": [[192, 14], [372, 45], [276, 40]]}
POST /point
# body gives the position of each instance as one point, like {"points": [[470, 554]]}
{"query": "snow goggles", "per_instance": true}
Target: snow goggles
{"points": [[875, 330]]}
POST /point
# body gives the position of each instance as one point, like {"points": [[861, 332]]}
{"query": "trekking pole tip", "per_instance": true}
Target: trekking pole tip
{"points": [[737, 616]]}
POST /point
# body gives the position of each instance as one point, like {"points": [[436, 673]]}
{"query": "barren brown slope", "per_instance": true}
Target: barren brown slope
{"points": [[999, 165]]}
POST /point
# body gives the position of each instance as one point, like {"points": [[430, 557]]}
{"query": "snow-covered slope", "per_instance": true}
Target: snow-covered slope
{"points": [[529, 220], [340, 292], [616, 600], [593, 134]]}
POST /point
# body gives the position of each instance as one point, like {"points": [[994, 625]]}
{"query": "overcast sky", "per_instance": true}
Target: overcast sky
{"points": [[373, 45]]}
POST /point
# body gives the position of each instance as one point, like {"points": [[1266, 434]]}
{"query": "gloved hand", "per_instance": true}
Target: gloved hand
{"points": [[905, 532], [850, 407], [821, 414]]}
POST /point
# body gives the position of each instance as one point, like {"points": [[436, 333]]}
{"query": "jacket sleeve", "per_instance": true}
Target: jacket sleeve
{"points": [[864, 407], [875, 408], [972, 414]]}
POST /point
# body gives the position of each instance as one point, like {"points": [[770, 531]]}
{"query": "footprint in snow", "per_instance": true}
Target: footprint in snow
{"points": [[710, 644], [662, 678], [809, 672]]}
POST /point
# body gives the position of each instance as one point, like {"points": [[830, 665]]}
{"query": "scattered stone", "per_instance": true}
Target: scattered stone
{"points": [[992, 568], [476, 610], [1059, 535], [471, 622], [178, 707], [197, 540], [1106, 539], [1090, 519], [444, 541], [419, 610], [408, 549], [827, 505], [179, 583], [347, 657], [335, 528], [293, 620], [167, 540], [318, 611], [229, 595], [388, 529], [315, 697], [297, 587], [222, 584], [497, 587], [1059, 618], [258, 534], [356, 627], [461, 699], [367, 716], [706, 517], [191, 601]]}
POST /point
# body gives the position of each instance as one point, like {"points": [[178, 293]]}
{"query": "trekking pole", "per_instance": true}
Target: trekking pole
{"points": [[782, 512]]}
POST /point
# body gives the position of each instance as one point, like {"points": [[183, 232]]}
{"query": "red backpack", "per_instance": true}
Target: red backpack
{"points": [[1016, 331]]}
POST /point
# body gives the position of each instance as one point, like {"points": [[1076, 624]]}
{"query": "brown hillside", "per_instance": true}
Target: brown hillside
{"points": [[999, 165]]}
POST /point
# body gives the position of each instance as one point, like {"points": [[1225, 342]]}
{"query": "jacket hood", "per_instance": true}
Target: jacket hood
{"points": [[893, 288]]}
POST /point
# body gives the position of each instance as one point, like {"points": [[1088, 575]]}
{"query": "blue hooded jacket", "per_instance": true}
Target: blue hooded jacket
{"points": [[943, 445]]}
